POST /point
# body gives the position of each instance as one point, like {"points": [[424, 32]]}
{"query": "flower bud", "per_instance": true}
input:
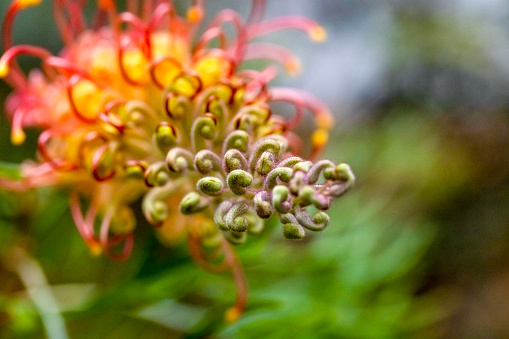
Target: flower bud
{"points": [[238, 181], [203, 128], [265, 163], [179, 159], [275, 144], [177, 106], [207, 161], [165, 136], [293, 231], [234, 160], [192, 203], [289, 162], [210, 186], [299, 179], [220, 214], [158, 212], [186, 85], [306, 194], [235, 219], [279, 199], [135, 169], [263, 204], [343, 172], [236, 140], [282, 173], [156, 174], [315, 171], [318, 223], [303, 166], [291, 228]]}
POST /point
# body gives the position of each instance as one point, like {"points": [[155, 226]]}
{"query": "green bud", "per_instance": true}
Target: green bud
{"points": [[220, 214], [343, 172], [204, 128], [234, 160], [306, 194], [321, 218], [238, 97], [179, 159], [207, 161], [243, 122], [275, 144], [235, 219], [328, 173], [177, 106], [156, 174], [283, 173], [210, 186], [291, 228], [265, 163], [279, 199], [154, 203], [158, 212], [318, 223], [263, 205], [298, 180], [192, 203], [303, 166], [186, 85], [252, 116], [315, 171], [236, 140], [289, 162], [221, 92], [165, 136], [293, 231], [135, 169], [238, 180]]}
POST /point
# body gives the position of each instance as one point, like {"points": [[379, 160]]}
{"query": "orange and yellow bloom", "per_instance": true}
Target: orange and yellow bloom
{"points": [[149, 104]]}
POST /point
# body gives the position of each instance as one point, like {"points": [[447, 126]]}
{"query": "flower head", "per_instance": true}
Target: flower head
{"points": [[142, 105]]}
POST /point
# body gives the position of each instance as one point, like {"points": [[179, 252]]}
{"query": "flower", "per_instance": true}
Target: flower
{"points": [[142, 105]]}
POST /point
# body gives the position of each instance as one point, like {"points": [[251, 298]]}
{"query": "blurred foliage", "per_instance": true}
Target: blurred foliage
{"points": [[417, 249]]}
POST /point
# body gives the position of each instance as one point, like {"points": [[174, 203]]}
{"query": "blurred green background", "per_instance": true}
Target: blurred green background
{"points": [[419, 248]]}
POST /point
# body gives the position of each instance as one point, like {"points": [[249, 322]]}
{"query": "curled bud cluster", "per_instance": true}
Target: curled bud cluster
{"points": [[253, 181]]}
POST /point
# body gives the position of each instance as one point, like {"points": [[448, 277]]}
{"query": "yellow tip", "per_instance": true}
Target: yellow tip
{"points": [[96, 249], [232, 315], [320, 138], [293, 67], [194, 14], [106, 4], [27, 3], [4, 69], [18, 137], [318, 34]]}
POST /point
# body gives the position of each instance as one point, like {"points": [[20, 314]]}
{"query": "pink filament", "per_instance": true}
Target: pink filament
{"points": [[286, 22], [270, 52]]}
